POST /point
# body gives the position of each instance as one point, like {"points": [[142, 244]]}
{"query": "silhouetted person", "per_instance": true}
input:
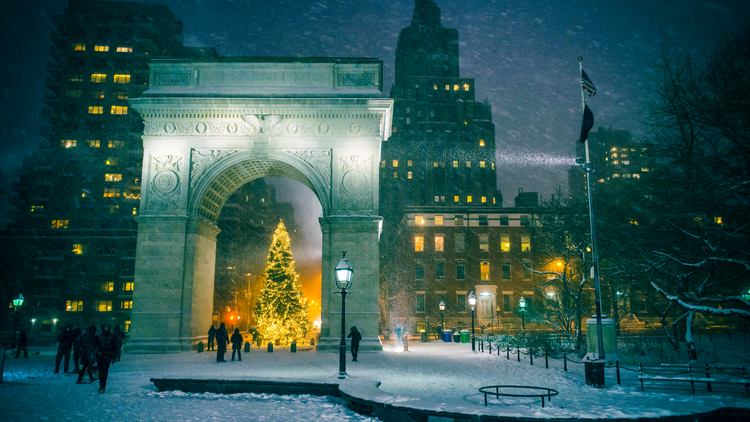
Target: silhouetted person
{"points": [[77, 333], [356, 337], [120, 336], [85, 348], [237, 344], [106, 354], [222, 338], [211, 336], [23, 342], [66, 339]]}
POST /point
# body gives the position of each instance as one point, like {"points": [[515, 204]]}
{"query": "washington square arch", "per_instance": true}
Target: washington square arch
{"points": [[211, 127]]}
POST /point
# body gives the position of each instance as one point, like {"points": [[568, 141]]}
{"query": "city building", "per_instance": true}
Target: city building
{"points": [[73, 238]]}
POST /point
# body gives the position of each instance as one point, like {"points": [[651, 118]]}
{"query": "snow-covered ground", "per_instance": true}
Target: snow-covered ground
{"points": [[432, 375]]}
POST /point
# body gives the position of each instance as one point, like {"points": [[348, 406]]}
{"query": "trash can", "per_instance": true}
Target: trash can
{"points": [[465, 336], [447, 336], [423, 337], [594, 370]]}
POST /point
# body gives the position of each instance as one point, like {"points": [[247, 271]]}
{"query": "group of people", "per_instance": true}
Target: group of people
{"points": [[221, 336], [94, 352]]}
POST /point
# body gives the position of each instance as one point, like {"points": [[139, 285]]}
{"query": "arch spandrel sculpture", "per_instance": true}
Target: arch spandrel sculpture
{"points": [[209, 128]]}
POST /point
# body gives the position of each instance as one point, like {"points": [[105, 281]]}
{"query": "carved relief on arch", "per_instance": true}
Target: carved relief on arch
{"points": [[164, 187], [355, 189], [198, 128], [203, 160], [318, 159]]}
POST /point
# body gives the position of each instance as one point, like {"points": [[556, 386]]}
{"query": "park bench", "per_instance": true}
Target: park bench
{"points": [[734, 375]]}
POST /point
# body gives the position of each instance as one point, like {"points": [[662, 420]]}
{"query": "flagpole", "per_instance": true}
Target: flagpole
{"points": [[589, 167]]}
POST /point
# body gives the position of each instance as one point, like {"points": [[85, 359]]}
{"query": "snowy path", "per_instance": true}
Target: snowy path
{"points": [[433, 375]]}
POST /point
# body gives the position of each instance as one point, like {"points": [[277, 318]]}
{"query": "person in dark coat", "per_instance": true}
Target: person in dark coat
{"points": [[77, 333], [85, 348], [106, 354], [23, 342], [120, 336], [66, 340], [237, 344], [222, 338], [211, 336], [356, 337]]}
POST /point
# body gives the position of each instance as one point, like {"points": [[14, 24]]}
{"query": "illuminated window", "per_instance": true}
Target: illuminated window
{"points": [[93, 143], [484, 199], [111, 193], [59, 224], [719, 221], [124, 49], [435, 164], [633, 222], [644, 169], [418, 243], [395, 175], [481, 142], [493, 166], [455, 163], [468, 199], [447, 87], [455, 198], [419, 220], [68, 143], [382, 164], [438, 220], [74, 306], [115, 144], [395, 163], [73, 93], [505, 243], [119, 110], [122, 79], [624, 149], [625, 163], [455, 87], [615, 175], [126, 304], [636, 176], [484, 243], [525, 243], [114, 209], [484, 268], [75, 78], [127, 286], [103, 305], [615, 162], [99, 95], [78, 46], [101, 48], [126, 326], [121, 95], [408, 121], [439, 243], [481, 164], [468, 164], [37, 208], [409, 163], [434, 86], [493, 199], [98, 77], [78, 249], [466, 87], [614, 155], [108, 286], [96, 110], [408, 175], [112, 177]]}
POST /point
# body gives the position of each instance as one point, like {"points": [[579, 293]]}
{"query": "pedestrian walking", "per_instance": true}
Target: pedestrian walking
{"points": [[65, 339], [106, 354], [356, 337], [237, 344], [77, 333], [23, 342], [222, 338], [120, 337], [211, 336], [85, 349]]}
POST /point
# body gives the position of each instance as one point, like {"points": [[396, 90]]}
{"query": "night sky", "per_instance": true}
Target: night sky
{"points": [[523, 55]]}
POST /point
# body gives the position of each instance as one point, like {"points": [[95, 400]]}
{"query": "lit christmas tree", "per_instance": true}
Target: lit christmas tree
{"points": [[281, 311]]}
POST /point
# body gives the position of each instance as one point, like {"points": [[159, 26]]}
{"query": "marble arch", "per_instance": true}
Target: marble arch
{"points": [[212, 126]]}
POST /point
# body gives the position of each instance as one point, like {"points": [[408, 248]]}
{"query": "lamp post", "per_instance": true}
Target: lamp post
{"points": [[522, 305], [472, 303], [344, 274], [442, 323], [17, 303]]}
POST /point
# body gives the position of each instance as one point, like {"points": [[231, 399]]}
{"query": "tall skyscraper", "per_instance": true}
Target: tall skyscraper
{"points": [[73, 237]]}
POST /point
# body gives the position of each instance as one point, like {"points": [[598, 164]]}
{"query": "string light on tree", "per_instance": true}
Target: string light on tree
{"points": [[281, 311]]}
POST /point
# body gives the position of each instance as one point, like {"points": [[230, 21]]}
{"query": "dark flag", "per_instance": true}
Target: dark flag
{"points": [[587, 124], [586, 84]]}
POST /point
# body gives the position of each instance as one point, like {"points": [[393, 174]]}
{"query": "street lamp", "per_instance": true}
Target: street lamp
{"points": [[17, 303], [522, 304], [344, 274], [472, 303], [442, 323]]}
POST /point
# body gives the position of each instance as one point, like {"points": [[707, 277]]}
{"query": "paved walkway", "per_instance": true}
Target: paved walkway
{"points": [[434, 376]]}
